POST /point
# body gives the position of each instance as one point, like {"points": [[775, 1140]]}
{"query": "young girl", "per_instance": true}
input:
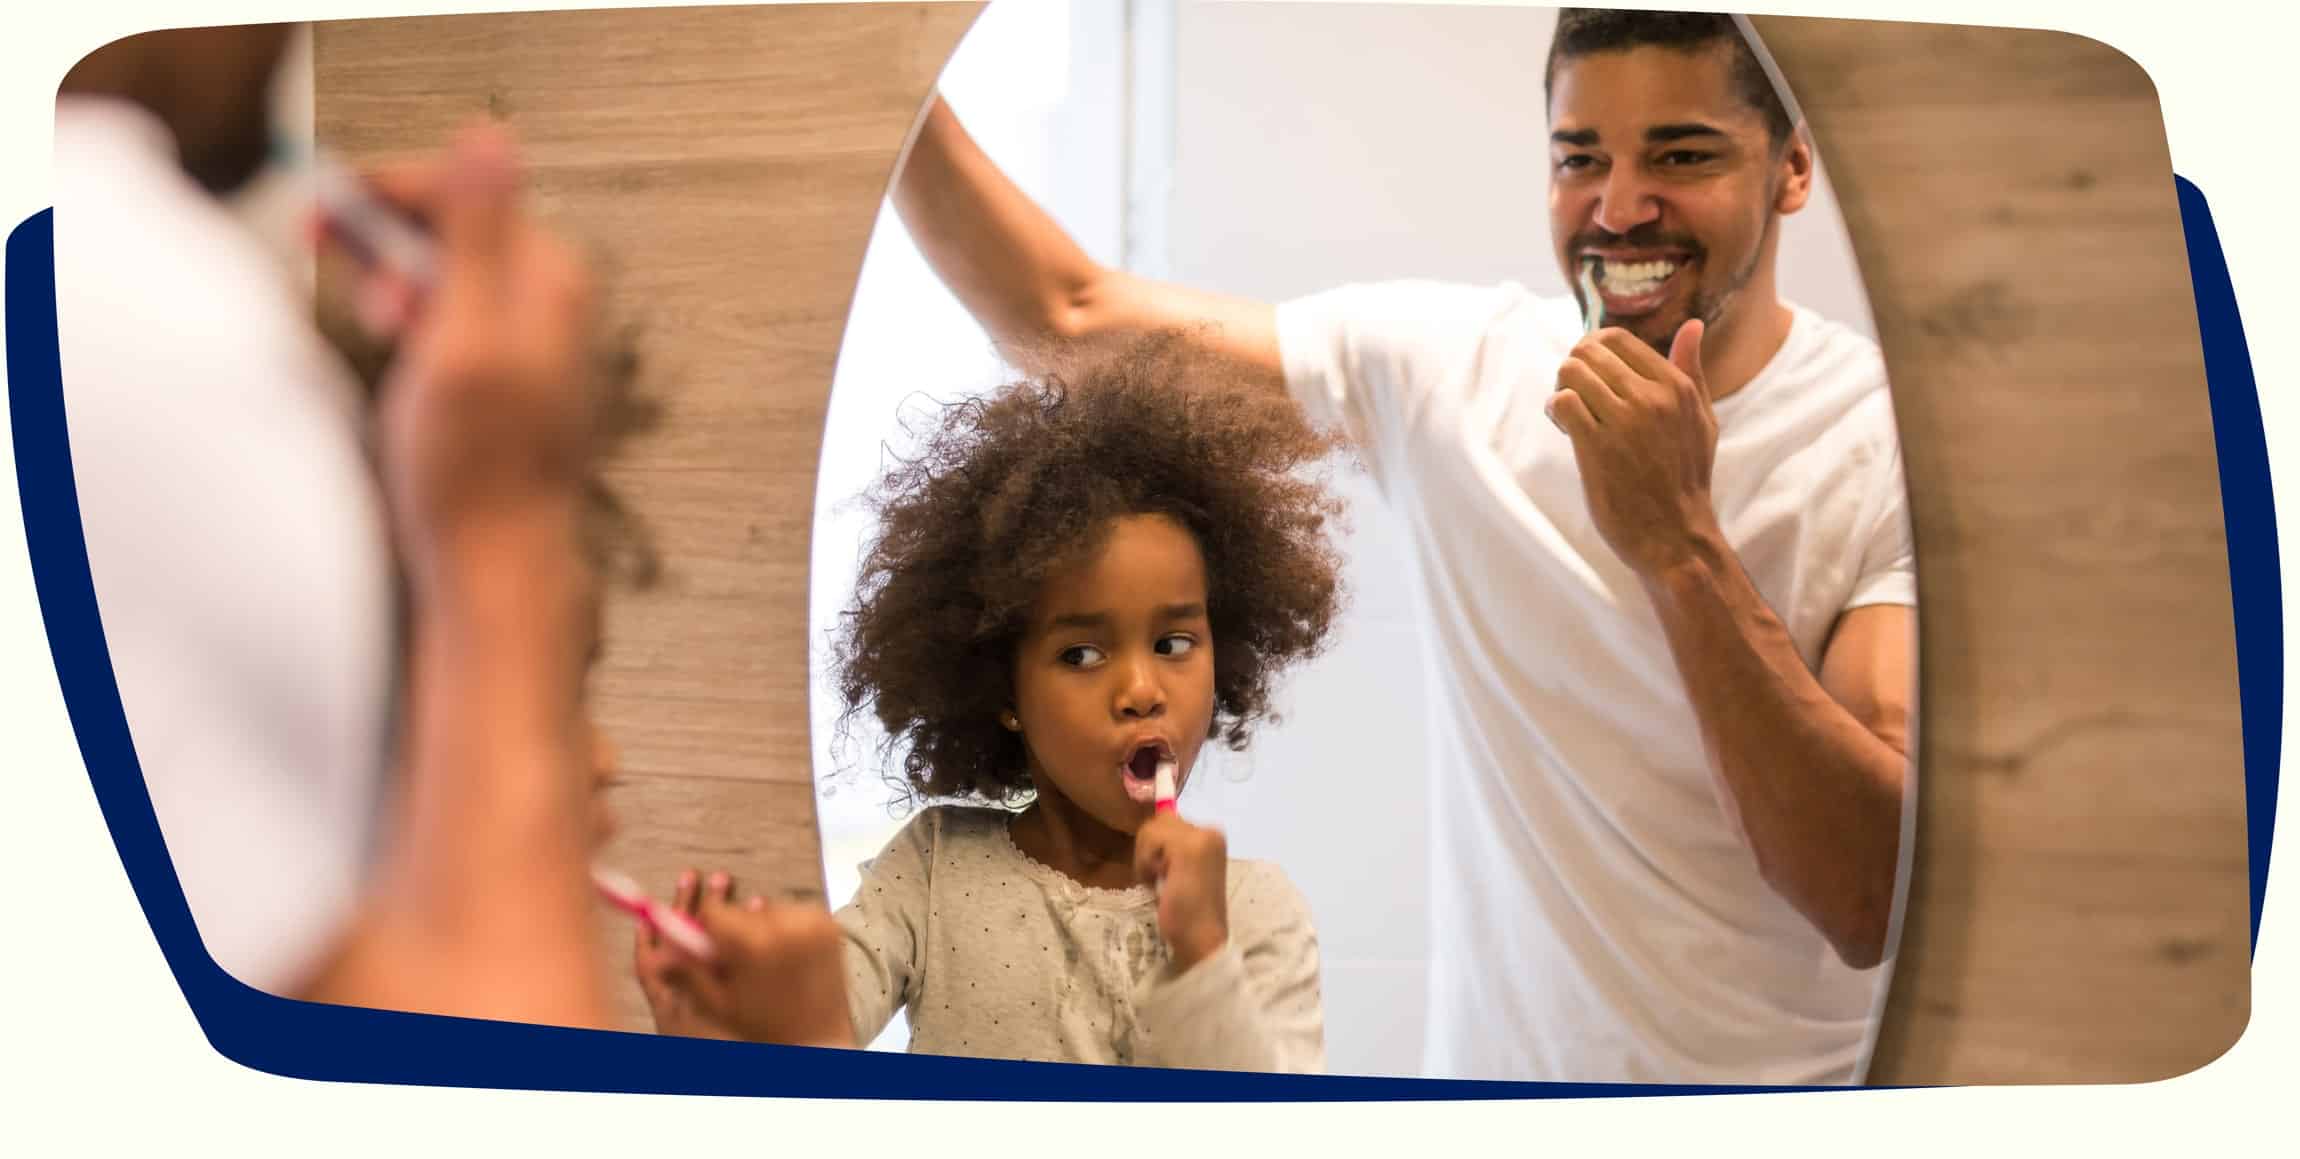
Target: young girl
{"points": [[1080, 576]]}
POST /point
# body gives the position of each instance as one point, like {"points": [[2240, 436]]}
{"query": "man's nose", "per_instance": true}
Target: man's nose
{"points": [[1626, 202]]}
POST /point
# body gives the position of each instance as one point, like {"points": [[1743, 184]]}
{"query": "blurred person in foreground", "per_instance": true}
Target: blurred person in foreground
{"points": [[349, 627]]}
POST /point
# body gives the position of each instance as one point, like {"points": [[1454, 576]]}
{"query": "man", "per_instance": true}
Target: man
{"points": [[1670, 627], [244, 547]]}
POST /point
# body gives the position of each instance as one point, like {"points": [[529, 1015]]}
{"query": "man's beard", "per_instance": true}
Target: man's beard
{"points": [[1709, 305]]}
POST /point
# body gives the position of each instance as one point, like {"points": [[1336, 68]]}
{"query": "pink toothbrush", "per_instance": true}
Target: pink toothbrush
{"points": [[624, 894]]}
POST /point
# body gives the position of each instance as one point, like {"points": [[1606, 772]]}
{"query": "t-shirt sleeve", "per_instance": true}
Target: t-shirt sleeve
{"points": [[1888, 570], [1375, 359], [884, 926], [1255, 1005]]}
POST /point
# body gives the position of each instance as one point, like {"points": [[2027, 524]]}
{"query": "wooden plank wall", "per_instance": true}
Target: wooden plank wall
{"points": [[2079, 906]]}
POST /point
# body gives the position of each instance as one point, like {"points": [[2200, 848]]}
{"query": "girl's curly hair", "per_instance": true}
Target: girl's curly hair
{"points": [[1026, 481]]}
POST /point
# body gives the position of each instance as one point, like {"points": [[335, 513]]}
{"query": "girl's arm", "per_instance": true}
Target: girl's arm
{"points": [[1254, 1004], [884, 925]]}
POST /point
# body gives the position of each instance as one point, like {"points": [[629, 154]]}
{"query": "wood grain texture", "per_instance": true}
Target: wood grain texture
{"points": [[727, 164], [2079, 906]]}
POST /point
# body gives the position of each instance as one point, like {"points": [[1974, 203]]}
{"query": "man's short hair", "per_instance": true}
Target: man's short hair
{"points": [[1587, 31]]}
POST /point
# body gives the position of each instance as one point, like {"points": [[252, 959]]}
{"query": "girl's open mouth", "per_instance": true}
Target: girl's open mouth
{"points": [[1140, 772]]}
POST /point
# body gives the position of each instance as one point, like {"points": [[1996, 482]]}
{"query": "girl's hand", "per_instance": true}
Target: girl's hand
{"points": [[1191, 867], [778, 973], [653, 961]]}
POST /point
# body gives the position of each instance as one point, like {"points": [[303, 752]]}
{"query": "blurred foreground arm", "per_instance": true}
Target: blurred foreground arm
{"points": [[480, 906]]}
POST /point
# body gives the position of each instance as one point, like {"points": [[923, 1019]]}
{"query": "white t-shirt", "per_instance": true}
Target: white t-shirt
{"points": [[237, 541], [1593, 914]]}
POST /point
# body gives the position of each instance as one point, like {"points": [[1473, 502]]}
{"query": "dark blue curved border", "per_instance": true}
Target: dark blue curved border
{"points": [[312, 1041], [2248, 508]]}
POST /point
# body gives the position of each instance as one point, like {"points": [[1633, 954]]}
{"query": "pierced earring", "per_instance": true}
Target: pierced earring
{"points": [[1010, 721]]}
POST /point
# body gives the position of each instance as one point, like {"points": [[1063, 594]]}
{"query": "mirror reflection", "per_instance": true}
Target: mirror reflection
{"points": [[1600, 774]]}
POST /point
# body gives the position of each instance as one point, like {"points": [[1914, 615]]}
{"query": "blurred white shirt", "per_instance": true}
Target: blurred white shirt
{"points": [[237, 540]]}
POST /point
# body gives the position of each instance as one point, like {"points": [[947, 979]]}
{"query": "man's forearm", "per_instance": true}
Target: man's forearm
{"points": [[1027, 282], [1816, 794], [1011, 264], [479, 907]]}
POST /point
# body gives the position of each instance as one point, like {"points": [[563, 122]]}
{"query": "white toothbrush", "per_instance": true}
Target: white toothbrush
{"points": [[1591, 307]]}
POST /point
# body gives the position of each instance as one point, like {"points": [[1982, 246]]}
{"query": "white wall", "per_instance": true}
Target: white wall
{"points": [[1317, 144]]}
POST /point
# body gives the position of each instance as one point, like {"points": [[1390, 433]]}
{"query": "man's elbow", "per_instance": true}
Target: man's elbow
{"points": [[1086, 306], [1067, 321], [1859, 938], [1862, 952], [1855, 926]]}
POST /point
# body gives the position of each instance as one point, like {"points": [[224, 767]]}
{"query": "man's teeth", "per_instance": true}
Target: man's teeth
{"points": [[1634, 279]]}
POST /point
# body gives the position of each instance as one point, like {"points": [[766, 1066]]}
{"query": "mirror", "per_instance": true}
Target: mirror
{"points": [[1523, 854]]}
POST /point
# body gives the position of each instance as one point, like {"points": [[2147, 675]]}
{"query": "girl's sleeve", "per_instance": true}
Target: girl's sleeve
{"points": [[885, 924], [1255, 1004]]}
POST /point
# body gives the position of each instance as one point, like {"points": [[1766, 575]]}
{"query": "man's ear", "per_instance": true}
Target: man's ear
{"points": [[1793, 172]]}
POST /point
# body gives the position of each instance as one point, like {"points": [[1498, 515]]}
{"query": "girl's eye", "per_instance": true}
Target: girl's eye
{"points": [[1082, 655], [1176, 645]]}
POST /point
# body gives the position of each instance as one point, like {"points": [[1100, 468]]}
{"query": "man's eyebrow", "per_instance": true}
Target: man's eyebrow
{"points": [[1582, 137], [1662, 134]]}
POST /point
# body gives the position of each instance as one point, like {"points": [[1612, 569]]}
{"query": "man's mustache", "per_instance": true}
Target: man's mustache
{"points": [[1640, 238]]}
